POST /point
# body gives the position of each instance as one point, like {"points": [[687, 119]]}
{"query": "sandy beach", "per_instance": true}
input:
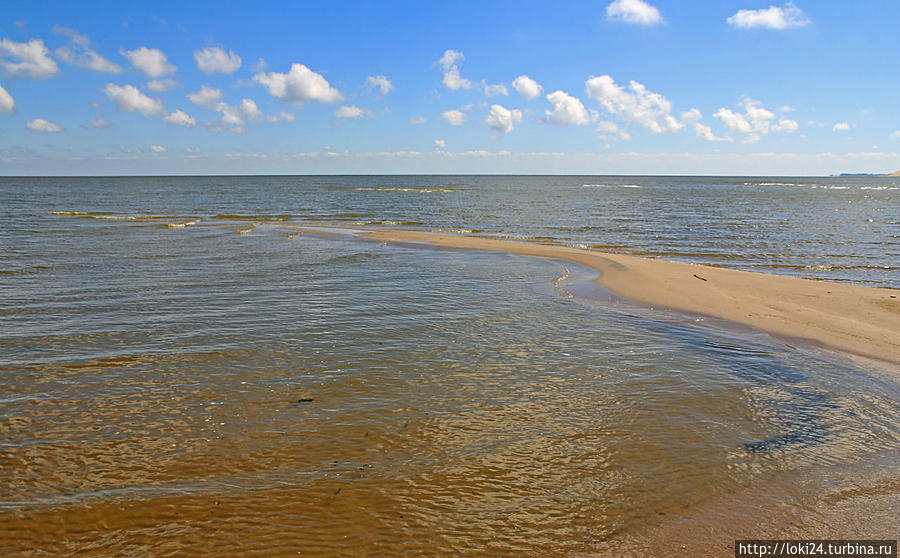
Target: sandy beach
{"points": [[863, 321]]}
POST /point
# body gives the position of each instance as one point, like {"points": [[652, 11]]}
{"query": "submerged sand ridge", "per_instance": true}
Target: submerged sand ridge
{"points": [[860, 320]]}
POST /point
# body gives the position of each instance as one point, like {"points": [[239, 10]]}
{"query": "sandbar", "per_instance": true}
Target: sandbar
{"points": [[855, 319]]}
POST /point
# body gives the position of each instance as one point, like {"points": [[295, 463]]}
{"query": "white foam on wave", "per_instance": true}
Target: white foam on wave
{"points": [[611, 186], [404, 189], [182, 225]]}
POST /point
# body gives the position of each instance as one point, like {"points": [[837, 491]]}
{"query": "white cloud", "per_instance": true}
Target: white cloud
{"points": [[454, 117], [300, 84], [152, 61], [157, 149], [418, 120], [527, 87], [633, 11], [440, 144], [350, 112], [611, 132], [895, 134], [33, 59], [381, 83], [7, 103], [566, 110], [705, 132], [99, 122], [161, 84], [840, 127], [192, 149], [789, 126], [129, 99], [180, 118], [207, 97], [282, 116], [211, 60], [494, 90], [641, 106], [755, 120], [734, 121], [772, 17], [237, 115], [502, 119], [41, 125], [449, 63], [79, 53]]}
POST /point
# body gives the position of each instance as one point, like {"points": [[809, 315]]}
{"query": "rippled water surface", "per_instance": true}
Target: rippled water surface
{"points": [[180, 373]]}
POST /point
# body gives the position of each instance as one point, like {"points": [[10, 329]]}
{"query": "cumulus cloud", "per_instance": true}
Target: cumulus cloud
{"points": [[785, 125], [755, 120], [773, 17], [418, 120], [840, 127], [449, 63], [31, 59], [129, 99], [212, 60], [7, 103], [79, 53], [300, 84], [237, 115], [152, 61], [633, 11], [381, 83], [566, 110], [705, 132], [207, 97], [161, 84], [157, 149], [180, 118], [440, 144], [454, 117], [502, 119], [638, 105], [41, 125], [527, 87], [351, 112], [895, 134], [494, 90]]}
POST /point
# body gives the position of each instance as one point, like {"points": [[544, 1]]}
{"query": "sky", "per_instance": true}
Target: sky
{"points": [[742, 87]]}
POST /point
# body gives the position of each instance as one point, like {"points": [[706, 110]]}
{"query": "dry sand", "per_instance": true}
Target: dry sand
{"points": [[859, 320]]}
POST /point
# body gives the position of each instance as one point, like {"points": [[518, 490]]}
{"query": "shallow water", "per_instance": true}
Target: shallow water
{"points": [[190, 389]]}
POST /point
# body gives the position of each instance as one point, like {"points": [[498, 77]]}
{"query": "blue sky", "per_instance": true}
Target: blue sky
{"points": [[624, 86]]}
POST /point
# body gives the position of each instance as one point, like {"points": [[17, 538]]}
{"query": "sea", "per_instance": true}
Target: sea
{"points": [[184, 372]]}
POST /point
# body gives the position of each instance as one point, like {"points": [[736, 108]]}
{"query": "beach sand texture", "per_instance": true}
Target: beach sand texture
{"points": [[863, 321]]}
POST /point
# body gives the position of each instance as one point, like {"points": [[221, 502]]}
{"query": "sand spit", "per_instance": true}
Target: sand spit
{"points": [[859, 320]]}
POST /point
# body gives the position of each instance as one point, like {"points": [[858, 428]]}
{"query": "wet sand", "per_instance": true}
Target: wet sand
{"points": [[859, 320]]}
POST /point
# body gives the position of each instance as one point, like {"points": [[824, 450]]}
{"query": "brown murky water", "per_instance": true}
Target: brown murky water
{"points": [[189, 390]]}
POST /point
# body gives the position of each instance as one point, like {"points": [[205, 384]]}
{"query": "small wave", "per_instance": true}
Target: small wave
{"points": [[879, 188], [611, 186], [182, 225], [244, 217], [73, 213], [772, 184], [251, 228], [399, 189]]}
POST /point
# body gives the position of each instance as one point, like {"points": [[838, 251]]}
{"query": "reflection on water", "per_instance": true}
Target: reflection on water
{"points": [[191, 390]]}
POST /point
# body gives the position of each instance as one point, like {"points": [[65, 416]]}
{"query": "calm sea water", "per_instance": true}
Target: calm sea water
{"points": [[179, 372]]}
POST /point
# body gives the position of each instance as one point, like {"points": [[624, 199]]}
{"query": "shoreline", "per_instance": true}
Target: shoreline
{"points": [[862, 321]]}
